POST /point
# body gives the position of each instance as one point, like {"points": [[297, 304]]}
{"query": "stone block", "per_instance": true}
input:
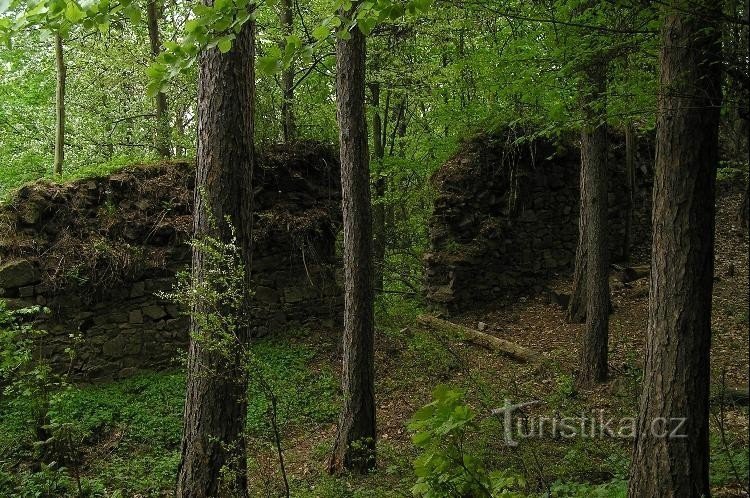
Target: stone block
{"points": [[135, 317], [154, 312], [266, 294], [115, 348], [18, 273], [138, 289], [27, 291]]}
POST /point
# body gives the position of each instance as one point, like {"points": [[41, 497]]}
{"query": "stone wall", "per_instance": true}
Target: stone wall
{"points": [[505, 218], [95, 252]]}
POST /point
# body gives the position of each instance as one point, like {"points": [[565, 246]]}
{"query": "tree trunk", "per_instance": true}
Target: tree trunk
{"points": [[577, 304], [677, 368], [179, 126], [162, 140], [593, 358], [630, 148], [287, 78], [742, 215], [59, 106], [213, 460], [378, 209], [354, 448]]}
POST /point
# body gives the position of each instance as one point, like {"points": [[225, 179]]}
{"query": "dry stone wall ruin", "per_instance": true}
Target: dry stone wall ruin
{"points": [[505, 217], [96, 252]]}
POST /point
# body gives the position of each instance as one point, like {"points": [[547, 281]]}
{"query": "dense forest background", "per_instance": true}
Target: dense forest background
{"points": [[90, 88]]}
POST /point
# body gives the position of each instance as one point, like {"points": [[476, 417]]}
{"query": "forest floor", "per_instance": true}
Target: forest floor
{"points": [[128, 432]]}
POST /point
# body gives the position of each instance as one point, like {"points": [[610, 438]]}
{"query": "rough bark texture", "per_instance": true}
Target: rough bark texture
{"points": [[378, 209], [354, 448], [677, 367], [213, 461], [577, 304], [288, 125], [162, 140], [59, 106], [593, 358], [630, 149]]}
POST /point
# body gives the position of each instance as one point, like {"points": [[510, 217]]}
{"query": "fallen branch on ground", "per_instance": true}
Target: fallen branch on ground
{"points": [[626, 274], [488, 341]]}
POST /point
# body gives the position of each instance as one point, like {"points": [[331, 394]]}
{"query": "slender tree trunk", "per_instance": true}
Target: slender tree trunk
{"points": [[577, 304], [593, 361], [59, 106], [742, 215], [162, 142], [671, 459], [213, 460], [630, 148], [287, 78], [179, 126], [354, 448], [378, 210]]}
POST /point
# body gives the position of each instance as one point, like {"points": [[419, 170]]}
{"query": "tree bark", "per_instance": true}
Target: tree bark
{"points": [[59, 106], [630, 148], [577, 304], [213, 460], [162, 140], [354, 448], [677, 367], [378, 209], [287, 78], [593, 358]]}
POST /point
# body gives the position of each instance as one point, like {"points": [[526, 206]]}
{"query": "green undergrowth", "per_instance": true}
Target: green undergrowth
{"points": [[130, 430]]}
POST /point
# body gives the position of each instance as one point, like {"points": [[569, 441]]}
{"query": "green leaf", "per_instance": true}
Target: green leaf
{"points": [[321, 32], [224, 45], [133, 13], [269, 64], [73, 13]]}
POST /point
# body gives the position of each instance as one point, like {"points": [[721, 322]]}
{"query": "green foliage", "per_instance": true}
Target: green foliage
{"points": [[22, 375], [613, 489], [445, 466], [305, 396]]}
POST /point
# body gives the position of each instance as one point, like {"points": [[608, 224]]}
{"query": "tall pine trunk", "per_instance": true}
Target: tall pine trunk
{"points": [[213, 460], [288, 124], [630, 149], [677, 366], [593, 357], [354, 448], [59, 106]]}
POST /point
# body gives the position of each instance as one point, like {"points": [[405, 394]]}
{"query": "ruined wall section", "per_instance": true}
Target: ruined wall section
{"points": [[96, 252], [505, 217]]}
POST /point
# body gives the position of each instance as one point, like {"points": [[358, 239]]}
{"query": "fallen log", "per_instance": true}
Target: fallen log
{"points": [[488, 341], [627, 274]]}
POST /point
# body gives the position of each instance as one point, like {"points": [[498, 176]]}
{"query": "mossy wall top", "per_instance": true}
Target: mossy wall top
{"points": [[94, 251]]}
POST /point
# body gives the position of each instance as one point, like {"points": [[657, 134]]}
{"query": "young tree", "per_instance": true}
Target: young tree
{"points": [[676, 376], [288, 124], [213, 460], [163, 141], [630, 151], [378, 209], [354, 448], [59, 105], [593, 357]]}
